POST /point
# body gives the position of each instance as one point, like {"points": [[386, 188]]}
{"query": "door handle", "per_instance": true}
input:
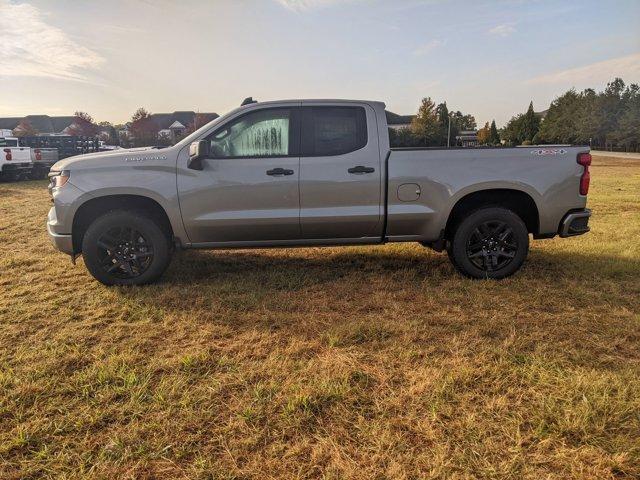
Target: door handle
{"points": [[361, 169], [276, 172]]}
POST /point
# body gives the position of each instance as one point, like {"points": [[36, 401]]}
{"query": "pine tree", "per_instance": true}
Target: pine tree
{"points": [[425, 125], [443, 119], [530, 125], [494, 136]]}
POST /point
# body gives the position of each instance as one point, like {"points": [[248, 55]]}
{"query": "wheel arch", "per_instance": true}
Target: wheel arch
{"points": [[518, 201], [97, 206]]}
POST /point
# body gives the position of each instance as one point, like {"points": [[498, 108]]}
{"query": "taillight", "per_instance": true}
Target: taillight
{"points": [[7, 152], [38, 154], [584, 159]]}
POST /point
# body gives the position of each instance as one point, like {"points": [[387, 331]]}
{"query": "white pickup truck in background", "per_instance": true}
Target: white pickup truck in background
{"points": [[15, 161], [42, 159]]}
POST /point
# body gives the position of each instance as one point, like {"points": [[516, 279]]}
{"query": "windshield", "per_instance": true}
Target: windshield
{"points": [[200, 132], [8, 142]]}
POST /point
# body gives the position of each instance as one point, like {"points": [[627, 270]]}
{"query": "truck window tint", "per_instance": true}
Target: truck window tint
{"points": [[264, 133], [333, 130]]}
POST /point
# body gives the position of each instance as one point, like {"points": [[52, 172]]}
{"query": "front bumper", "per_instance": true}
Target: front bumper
{"points": [[575, 223], [63, 242]]}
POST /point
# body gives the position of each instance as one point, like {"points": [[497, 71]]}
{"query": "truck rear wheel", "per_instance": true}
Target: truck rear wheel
{"points": [[11, 176], [126, 248], [490, 243]]}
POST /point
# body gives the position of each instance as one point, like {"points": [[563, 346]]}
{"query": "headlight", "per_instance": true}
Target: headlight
{"points": [[58, 179]]}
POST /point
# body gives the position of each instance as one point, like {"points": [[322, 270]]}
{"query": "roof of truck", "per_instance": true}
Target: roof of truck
{"points": [[317, 100]]}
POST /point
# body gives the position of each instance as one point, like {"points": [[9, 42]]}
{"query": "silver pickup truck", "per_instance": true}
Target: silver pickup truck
{"points": [[312, 172]]}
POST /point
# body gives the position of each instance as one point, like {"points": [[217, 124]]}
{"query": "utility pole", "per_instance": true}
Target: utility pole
{"points": [[449, 132]]}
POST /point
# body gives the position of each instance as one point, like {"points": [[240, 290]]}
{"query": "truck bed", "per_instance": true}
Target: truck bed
{"points": [[549, 174]]}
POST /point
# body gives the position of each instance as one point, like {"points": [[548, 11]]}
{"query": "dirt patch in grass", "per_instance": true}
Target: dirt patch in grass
{"points": [[367, 362]]}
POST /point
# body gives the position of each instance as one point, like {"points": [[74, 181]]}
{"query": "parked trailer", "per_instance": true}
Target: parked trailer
{"points": [[67, 145]]}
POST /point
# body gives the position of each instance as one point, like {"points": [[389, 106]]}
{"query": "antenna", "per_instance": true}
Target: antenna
{"points": [[248, 101]]}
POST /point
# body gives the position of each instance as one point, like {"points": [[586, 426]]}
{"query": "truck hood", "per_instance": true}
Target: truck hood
{"points": [[96, 159]]}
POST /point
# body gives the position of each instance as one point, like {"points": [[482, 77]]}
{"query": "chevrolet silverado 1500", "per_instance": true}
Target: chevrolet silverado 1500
{"points": [[312, 172]]}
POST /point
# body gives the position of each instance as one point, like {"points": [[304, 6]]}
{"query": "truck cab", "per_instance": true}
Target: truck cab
{"points": [[307, 172]]}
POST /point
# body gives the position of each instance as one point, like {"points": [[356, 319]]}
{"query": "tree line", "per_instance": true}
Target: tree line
{"points": [[609, 119], [143, 131], [433, 126]]}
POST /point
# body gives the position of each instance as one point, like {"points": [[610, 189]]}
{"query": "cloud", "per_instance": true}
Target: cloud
{"points": [[627, 67], [30, 47], [301, 5], [428, 47], [502, 30]]}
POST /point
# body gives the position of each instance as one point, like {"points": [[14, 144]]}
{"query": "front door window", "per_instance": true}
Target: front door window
{"points": [[264, 133]]}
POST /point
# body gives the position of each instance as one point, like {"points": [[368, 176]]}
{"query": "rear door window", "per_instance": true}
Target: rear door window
{"points": [[328, 131]]}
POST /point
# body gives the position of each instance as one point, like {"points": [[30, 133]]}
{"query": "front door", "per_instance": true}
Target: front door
{"points": [[248, 188], [340, 173]]}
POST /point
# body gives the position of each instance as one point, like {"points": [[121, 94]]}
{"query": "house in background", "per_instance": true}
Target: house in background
{"points": [[397, 122], [7, 125], [467, 138], [170, 126], [43, 124], [175, 125]]}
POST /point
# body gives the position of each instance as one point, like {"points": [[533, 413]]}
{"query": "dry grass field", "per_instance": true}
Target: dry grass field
{"points": [[354, 363]]}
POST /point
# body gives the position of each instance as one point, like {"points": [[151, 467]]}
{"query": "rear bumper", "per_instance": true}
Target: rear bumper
{"points": [[63, 242], [575, 223]]}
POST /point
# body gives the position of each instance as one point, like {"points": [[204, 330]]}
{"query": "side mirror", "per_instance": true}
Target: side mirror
{"points": [[197, 151]]}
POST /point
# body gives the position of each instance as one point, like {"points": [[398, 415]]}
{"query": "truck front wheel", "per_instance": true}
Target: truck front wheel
{"points": [[490, 243], [126, 248]]}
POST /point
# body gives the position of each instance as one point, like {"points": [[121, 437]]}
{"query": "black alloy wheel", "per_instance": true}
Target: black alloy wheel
{"points": [[492, 246], [127, 248], [124, 252], [491, 242]]}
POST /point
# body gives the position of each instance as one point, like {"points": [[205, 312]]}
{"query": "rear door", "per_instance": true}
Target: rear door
{"points": [[247, 190], [340, 172]]}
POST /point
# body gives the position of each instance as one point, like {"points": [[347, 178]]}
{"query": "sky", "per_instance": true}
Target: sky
{"points": [[487, 58]]}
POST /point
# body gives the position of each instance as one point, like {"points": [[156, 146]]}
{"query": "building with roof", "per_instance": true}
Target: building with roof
{"points": [[467, 138], [170, 126], [175, 125], [43, 124], [397, 122]]}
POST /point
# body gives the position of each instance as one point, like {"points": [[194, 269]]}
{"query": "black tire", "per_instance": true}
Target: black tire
{"points": [[492, 242], [10, 177], [38, 174], [126, 248]]}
